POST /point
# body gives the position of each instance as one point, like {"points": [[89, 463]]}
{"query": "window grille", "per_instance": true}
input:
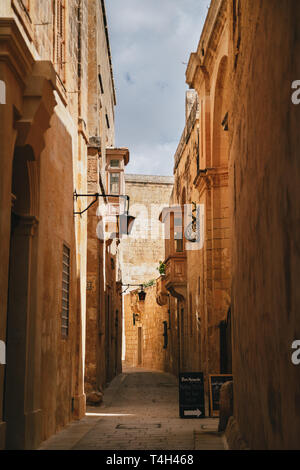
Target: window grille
{"points": [[65, 292]]}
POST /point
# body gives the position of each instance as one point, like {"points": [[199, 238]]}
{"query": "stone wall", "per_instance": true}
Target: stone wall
{"points": [[45, 138], [201, 299], [144, 248], [265, 169], [104, 305], [144, 339]]}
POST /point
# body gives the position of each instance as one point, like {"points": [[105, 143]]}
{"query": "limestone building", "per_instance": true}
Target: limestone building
{"points": [[235, 304], [57, 119], [143, 249], [146, 330], [141, 253], [198, 273], [264, 196]]}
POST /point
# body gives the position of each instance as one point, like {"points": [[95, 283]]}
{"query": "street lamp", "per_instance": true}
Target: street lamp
{"points": [[141, 294]]}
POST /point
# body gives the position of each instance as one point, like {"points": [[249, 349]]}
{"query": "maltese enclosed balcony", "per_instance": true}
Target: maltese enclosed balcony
{"points": [[175, 262]]}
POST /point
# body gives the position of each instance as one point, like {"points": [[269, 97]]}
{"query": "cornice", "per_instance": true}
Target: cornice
{"points": [[208, 42], [211, 177], [14, 50]]}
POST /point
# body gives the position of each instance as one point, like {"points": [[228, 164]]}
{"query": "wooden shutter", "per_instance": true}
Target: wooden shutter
{"points": [[60, 38]]}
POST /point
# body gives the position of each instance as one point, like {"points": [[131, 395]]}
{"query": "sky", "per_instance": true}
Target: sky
{"points": [[151, 41]]}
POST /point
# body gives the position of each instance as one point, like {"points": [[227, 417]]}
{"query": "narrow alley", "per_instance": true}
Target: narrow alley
{"points": [[149, 226], [140, 412]]}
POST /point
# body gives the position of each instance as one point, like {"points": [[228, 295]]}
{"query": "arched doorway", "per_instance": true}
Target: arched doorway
{"points": [[21, 398]]}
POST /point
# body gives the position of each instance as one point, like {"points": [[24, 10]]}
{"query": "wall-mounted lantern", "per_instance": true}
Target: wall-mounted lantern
{"points": [[142, 294]]}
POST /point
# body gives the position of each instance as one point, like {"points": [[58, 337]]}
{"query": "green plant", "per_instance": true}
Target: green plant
{"points": [[149, 283], [161, 268]]}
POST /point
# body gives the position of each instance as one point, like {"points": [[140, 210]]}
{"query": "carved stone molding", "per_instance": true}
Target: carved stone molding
{"points": [[161, 291], [38, 106], [175, 278], [178, 291], [14, 50], [211, 177], [27, 226]]}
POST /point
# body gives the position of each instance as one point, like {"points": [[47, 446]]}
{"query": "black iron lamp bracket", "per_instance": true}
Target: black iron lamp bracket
{"points": [[97, 196]]}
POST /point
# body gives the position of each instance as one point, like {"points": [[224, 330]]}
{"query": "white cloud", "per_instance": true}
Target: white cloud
{"points": [[152, 160], [150, 40]]}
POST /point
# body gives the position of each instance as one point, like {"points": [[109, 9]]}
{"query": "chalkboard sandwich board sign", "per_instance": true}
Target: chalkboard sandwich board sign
{"points": [[191, 395], [215, 383]]}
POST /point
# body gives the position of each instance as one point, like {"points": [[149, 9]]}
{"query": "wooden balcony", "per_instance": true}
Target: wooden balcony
{"points": [[175, 277]]}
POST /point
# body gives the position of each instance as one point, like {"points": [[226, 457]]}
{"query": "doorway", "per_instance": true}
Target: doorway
{"points": [[21, 395], [225, 345]]}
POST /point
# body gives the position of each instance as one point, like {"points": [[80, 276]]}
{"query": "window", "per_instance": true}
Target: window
{"points": [[236, 29], [225, 122], [65, 292], [115, 163], [178, 234], [59, 43], [107, 121], [100, 83], [114, 186]]}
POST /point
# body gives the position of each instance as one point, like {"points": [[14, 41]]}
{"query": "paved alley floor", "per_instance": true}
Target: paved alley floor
{"points": [[139, 412]]}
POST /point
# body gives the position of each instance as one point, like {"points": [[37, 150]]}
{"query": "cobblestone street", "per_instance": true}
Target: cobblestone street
{"points": [[140, 412]]}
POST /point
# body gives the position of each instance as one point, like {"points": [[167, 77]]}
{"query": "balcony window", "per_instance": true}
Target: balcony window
{"points": [[115, 163], [178, 234], [114, 185]]}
